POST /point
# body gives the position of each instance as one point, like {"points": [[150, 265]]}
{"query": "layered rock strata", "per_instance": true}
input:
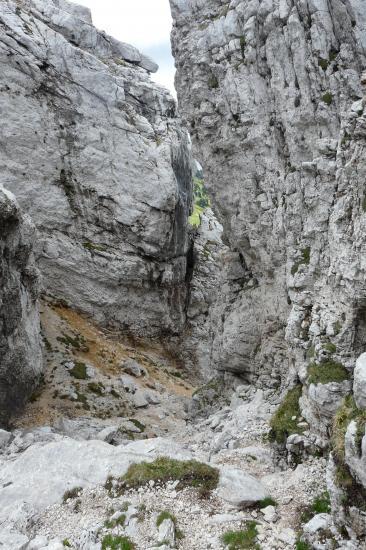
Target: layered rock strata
{"points": [[95, 153], [20, 345]]}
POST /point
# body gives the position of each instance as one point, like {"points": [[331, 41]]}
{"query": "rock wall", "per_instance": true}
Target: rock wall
{"points": [[272, 93], [264, 87], [20, 346], [94, 151]]}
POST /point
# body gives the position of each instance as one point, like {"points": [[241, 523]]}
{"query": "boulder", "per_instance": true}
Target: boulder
{"points": [[167, 532], [359, 382], [240, 489], [132, 367]]}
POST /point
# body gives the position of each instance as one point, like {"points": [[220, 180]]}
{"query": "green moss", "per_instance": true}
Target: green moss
{"points": [[245, 538], [301, 545], [66, 543], [268, 501], [72, 493], [327, 98], [284, 422], [189, 474], [112, 542], [79, 371], [324, 373]]}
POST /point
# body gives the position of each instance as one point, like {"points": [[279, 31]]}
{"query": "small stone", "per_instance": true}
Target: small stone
{"points": [[130, 366]]}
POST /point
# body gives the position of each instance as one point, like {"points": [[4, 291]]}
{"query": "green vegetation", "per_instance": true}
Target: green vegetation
{"points": [[200, 202], [236, 540], [96, 387], [213, 82], [94, 247], [77, 342], [189, 473], [163, 516], [329, 346], [167, 515], [66, 543], [301, 545], [337, 327], [327, 98], [321, 505], [304, 260], [79, 371], [355, 494], [117, 543], [323, 63], [284, 422], [329, 371], [138, 424], [111, 523], [268, 501], [72, 493], [345, 414]]}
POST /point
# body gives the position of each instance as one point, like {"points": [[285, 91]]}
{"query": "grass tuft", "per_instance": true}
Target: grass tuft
{"points": [[329, 371], [79, 371], [189, 473], [268, 501], [327, 98], [111, 542], [236, 540], [163, 516], [321, 505], [284, 422]]}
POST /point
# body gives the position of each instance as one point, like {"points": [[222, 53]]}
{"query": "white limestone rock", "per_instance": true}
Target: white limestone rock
{"points": [[95, 153], [359, 383], [240, 489], [167, 533], [266, 88]]}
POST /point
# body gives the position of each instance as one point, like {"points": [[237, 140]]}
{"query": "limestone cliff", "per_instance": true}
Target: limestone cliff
{"points": [[264, 87], [20, 347], [272, 93], [95, 153]]}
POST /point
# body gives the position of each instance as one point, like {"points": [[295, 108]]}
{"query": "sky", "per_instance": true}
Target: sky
{"points": [[145, 24]]}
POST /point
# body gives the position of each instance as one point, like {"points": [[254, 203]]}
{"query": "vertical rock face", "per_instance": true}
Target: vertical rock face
{"points": [[95, 153], [20, 348], [265, 87]]}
